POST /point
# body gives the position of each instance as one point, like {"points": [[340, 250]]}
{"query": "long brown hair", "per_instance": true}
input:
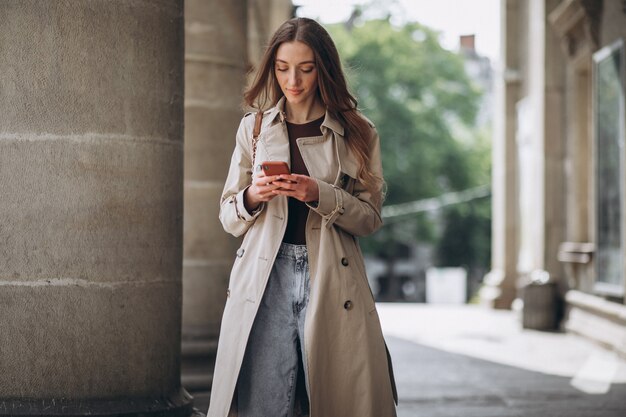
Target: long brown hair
{"points": [[331, 82]]}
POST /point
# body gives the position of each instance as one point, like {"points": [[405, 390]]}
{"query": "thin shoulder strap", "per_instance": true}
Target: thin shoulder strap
{"points": [[258, 118]]}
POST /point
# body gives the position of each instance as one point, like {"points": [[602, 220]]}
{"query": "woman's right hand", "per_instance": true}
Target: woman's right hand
{"points": [[259, 191]]}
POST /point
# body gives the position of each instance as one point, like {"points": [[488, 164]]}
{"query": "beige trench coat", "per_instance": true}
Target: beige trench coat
{"points": [[349, 368]]}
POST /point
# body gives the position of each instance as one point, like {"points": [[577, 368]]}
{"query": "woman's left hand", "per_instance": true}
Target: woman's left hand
{"points": [[300, 187]]}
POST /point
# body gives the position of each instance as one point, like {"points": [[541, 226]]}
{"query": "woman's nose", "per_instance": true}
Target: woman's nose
{"points": [[294, 80]]}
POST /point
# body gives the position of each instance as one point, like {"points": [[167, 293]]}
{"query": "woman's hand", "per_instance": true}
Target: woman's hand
{"points": [[300, 187], [262, 189]]}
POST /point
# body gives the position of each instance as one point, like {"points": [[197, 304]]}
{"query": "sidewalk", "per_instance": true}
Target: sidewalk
{"points": [[470, 361]]}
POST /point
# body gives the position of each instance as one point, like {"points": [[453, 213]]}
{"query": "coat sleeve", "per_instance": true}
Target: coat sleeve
{"points": [[357, 213], [234, 217]]}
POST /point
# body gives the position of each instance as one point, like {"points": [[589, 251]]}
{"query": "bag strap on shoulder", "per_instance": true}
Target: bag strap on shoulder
{"points": [[258, 119]]}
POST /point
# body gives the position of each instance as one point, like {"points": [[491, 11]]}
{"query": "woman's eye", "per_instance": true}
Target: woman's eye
{"points": [[307, 70], [281, 69]]}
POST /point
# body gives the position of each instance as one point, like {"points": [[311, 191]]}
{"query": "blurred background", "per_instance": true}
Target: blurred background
{"points": [[498, 274], [421, 78]]}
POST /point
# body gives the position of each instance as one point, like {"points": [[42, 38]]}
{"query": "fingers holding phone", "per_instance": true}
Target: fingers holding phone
{"points": [[261, 190], [262, 187], [271, 179], [300, 187]]}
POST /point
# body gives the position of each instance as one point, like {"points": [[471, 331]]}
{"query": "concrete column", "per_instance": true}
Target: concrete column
{"points": [[553, 149], [576, 25], [91, 158], [215, 67], [578, 151], [224, 40], [500, 289], [540, 140], [264, 17], [541, 147]]}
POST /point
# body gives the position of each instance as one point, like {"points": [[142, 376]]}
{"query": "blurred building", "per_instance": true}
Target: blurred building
{"points": [[403, 277], [558, 179], [480, 71]]}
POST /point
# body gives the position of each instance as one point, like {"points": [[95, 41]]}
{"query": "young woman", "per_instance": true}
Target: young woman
{"points": [[299, 307]]}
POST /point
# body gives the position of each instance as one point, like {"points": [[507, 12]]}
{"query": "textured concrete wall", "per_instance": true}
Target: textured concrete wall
{"points": [[264, 17], [219, 37], [215, 66], [91, 156], [613, 22]]}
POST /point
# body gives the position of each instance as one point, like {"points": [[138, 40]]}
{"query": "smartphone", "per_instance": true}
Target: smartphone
{"points": [[274, 168]]}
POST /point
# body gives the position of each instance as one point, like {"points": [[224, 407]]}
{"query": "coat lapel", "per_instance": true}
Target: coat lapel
{"points": [[273, 144], [326, 157]]}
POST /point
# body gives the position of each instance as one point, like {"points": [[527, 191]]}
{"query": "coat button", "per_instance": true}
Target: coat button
{"points": [[228, 293], [344, 261], [347, 305], [240, 252]]}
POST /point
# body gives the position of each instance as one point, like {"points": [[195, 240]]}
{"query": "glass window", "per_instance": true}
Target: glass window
{"points": [[609, 168]]}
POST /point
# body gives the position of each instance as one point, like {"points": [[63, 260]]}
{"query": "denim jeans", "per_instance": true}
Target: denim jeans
{"points": [[274, 359]]}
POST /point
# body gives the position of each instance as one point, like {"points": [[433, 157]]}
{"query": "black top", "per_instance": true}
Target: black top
{"points": [[298, 211]]}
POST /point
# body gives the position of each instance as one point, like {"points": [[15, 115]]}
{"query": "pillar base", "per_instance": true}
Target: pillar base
{"points": [[178, 404], [197, 365], [497, 292]]}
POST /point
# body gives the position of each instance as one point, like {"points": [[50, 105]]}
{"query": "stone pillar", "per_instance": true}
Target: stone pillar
{"points": [[215, 67], [541, 147], [553, 147], [91, 159], [575, 24], [223, 41], [264, 17], [500, 290], [540, 141]]}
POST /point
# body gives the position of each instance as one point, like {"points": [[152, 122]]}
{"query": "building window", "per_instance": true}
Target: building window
{"points": [[608, 111]]}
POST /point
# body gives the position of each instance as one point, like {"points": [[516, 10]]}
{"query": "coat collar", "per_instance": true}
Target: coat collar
{"points": [[279, 111]]}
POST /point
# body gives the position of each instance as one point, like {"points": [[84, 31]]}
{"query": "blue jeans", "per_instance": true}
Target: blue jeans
{"points": [[274, 359]]}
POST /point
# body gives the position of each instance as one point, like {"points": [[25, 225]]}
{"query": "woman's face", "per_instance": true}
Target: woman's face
{"points": [[296, 72]]}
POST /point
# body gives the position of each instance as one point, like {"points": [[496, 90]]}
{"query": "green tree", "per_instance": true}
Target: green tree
{"points": [[423, 104], [417, 94]]}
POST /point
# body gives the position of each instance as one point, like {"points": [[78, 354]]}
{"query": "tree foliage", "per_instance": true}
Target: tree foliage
{"points": [[423, 104], [416, 93]]}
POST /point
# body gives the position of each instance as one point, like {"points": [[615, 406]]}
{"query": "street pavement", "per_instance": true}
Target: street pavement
{"points": [[471, 361]]}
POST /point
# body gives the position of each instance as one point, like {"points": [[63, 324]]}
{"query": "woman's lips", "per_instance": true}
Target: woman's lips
{"points": [[295, 92]]}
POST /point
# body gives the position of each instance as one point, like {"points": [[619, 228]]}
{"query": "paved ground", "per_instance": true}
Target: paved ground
{"points": [[433, 383], [468, 361], [473, 362]]}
